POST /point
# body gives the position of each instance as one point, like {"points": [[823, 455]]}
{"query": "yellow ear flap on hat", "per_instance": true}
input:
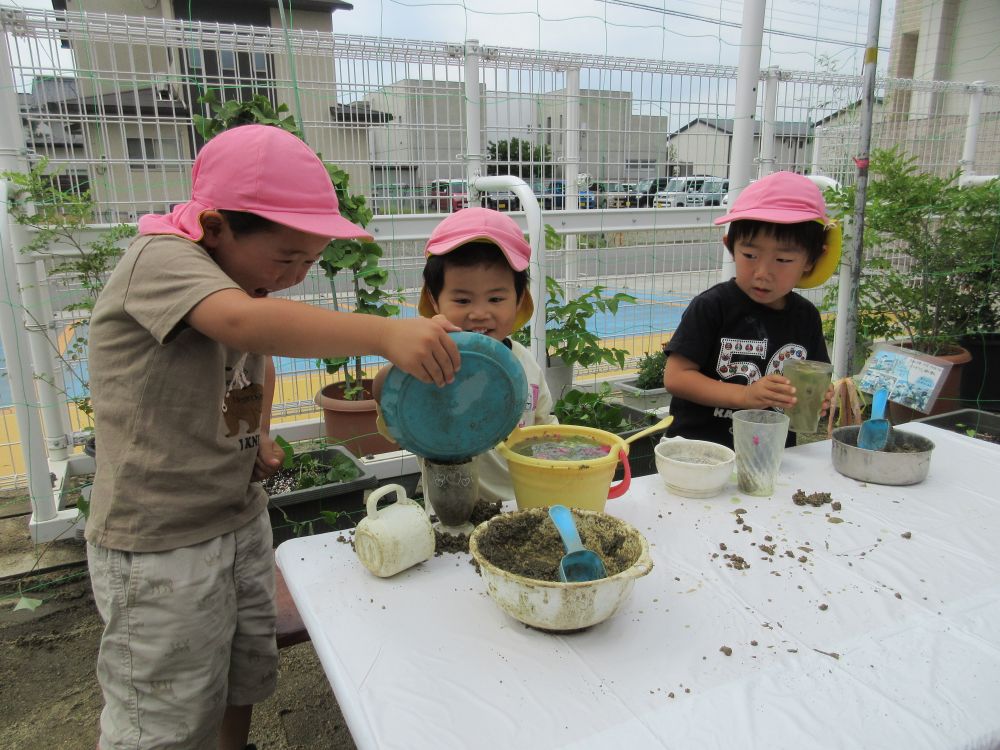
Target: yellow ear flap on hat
{"points": [[828, 262]]}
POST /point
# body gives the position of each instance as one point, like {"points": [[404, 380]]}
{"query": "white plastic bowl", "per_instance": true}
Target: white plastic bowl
{"points": [[694, 468], [558, 606]]}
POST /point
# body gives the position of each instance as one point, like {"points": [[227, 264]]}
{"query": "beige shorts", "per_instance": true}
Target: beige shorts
{"points": [[187, 632]]}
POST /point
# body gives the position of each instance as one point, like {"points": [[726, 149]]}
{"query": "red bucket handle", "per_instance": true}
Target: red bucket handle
{"points": [[617, 490]]}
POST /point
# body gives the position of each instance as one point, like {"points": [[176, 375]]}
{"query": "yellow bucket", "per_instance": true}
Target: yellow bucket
{"points": [[539, 483]]}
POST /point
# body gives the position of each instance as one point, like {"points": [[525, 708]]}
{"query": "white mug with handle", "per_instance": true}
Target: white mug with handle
{"points": [[396, 537]]}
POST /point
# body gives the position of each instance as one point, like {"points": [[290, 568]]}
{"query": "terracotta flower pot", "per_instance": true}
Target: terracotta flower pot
{"points": [[352, 423]]}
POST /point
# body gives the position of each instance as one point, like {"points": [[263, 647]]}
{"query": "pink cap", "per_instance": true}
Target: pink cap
{"points": [[780, 198], [262, 170], [485, 225]]}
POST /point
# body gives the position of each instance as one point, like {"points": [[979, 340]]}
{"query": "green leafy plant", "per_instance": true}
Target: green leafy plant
{"points": [[590, 409], [308, 469], [358, 258], [650, 373], [566, 333], [59, 217], [933, 270]]}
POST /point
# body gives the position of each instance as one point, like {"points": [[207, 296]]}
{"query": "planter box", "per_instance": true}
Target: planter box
{"points": [[646, 399], [980, 387], [365, 480], [640, 453], [986, 424]]}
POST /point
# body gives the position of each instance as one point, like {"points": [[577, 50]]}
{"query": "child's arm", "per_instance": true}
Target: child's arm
{"points": [[419, 346], [682, 378], [269, 454]]}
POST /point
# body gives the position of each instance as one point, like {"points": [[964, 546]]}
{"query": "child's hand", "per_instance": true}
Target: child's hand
{"points": [[773, 390], [827, 398], [423, 348], [269, 458]]}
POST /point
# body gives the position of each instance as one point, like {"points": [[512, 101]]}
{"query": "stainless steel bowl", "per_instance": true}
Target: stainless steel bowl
{"points": [[907, 462]]}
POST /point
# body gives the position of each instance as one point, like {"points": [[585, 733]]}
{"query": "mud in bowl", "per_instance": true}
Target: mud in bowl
{"points": [[811, 381], [759, 439]]}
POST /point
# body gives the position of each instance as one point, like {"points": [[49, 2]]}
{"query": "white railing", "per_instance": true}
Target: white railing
{"points": [[108, 100]]}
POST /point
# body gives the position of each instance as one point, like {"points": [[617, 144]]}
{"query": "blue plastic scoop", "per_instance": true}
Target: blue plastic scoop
{"points": [[874, 432], [579, 563]]}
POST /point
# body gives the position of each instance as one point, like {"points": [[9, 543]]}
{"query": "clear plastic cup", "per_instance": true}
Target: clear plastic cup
{"points": [[811, 380], [759, 439]]}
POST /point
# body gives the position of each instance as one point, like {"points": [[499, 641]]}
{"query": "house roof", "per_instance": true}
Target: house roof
{"points": [[850, 108], [725, 125]]}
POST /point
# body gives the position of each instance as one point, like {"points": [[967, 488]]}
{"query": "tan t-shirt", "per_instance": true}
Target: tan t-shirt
{"points": [[177, 414]]}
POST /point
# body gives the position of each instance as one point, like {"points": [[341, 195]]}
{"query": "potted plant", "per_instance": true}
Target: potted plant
{"points": [[932, 249], [348, 407], [645, 391], [568, 340]]}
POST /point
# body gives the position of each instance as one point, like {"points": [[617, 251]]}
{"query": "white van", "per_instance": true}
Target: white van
{"points": [[692, 190]]}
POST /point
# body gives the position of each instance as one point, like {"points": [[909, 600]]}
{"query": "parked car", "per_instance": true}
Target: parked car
{"points": [[607, 192], [447, 195], [645, 191], [553, 197], [502, 200], [692, 190]]}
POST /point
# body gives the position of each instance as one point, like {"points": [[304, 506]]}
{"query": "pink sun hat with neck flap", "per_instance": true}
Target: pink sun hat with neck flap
{"points": [[789, 198], [481, 225], [263, 170]]}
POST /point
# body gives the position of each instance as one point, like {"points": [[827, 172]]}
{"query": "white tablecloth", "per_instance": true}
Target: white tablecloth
{"points": [[905, 654]]}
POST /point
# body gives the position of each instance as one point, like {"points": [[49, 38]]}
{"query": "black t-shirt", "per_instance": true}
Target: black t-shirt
{"points": [[734, 339]]}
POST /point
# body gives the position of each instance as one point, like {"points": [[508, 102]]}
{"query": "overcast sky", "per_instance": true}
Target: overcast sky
{"points": [[802, 32]]}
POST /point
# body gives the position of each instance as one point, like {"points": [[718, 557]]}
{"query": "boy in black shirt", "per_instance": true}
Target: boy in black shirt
{"points": [[733, 340]]}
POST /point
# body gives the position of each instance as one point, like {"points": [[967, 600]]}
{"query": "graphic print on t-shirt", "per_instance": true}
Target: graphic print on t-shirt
{"points": [[242, 404], [744, 357]]}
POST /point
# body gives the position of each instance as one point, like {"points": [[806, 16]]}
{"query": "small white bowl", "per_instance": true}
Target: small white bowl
{"points": [[694, 468]]}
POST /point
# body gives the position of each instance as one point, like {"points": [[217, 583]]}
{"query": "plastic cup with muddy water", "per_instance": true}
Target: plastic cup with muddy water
{"points": [[759, 439], [811, 380], [394, 538], [452, 489]]}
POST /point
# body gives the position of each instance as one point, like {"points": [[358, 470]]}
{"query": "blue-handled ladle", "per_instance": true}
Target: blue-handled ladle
{"points": [[874, 432], [579, 563]]}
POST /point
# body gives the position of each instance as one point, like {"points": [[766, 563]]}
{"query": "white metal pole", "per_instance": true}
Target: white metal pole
{"points": [[473, 119], [968, 162], [767, 127], [50, 401], [571, 169], [845, 331], [12, 332], [747, 78]]}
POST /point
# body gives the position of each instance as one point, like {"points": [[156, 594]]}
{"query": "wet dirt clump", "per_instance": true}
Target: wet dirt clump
{"points": [[445, 542], [815, 499], [527, 544]]}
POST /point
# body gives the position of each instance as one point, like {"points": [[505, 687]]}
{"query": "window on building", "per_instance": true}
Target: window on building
{"points": [[194, 58], [227, 62], [153, 153]]}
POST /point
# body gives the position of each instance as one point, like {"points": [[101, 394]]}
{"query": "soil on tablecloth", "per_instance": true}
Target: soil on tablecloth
{"points": [[527, 544]]}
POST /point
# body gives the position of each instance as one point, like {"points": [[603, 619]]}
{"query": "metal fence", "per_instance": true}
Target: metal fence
{"points": [[109, 100]]}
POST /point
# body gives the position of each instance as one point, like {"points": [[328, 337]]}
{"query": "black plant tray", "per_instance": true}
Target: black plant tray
{"points": [[366, 480], [985, 424]]}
